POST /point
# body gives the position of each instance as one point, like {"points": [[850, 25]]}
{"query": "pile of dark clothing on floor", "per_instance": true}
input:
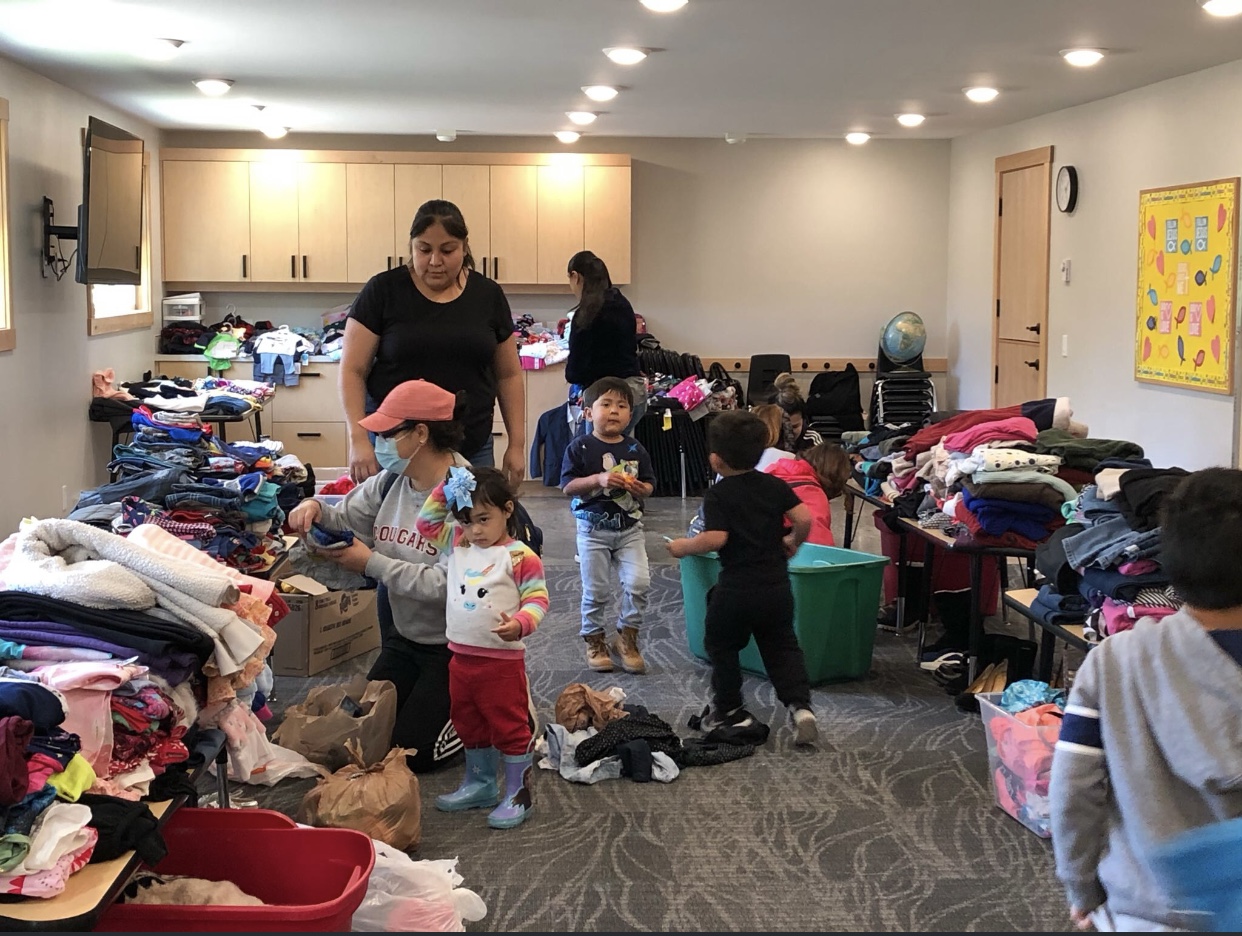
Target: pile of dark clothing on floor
{"points": [[597, 737]]}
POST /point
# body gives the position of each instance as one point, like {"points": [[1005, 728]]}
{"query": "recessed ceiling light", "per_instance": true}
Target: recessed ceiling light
{"points": [[1222, 7], [581, 118], [663, 6], [981, 95], [158, 50], [735, 137], [1082, 58], [858, 138], [626, 55], [910, 120], [214, 87], [568, 136], [599, 92], [446, 136], [274, 131]]}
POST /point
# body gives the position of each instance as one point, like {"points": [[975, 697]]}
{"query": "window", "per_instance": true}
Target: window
{"points": [[120, 308], [8, 335]]}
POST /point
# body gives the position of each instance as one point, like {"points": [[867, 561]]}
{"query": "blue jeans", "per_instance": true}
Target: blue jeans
{"points": [[598, 551], [485, 457]]}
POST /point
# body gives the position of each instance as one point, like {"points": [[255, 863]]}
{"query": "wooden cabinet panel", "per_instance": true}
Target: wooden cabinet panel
{"points": [[188, 367], [369, 201], [315, 397], [315, 443], [606, 217], [470, 189], [415, 184], [1019, 372], [206, 215], [515, 224], [560, 220], [274, 222], [322, 223], [545, 390]]}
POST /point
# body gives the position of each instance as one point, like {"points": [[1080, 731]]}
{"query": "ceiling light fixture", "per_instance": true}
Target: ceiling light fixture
{"points": [[581, 118], [1082, 58], [735, 137], [446, 136], [981, 95], [214, 87], [858, 138], [599, 92], [663, 6], [910, 120], [158, 50], [626, 55], [568, 136], [274, 131], [1222, 7]]}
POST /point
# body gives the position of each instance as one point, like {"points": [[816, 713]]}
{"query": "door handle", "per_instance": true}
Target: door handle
{"points": [[305, 274], [1034, 328], [310, 435], [1034, 364], [401, 261], [390, 263], [485, 266], [311, 373], [293, 266], [495, 268], [244, 276]]}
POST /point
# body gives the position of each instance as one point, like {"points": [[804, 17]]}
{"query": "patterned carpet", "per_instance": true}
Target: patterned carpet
{"points": [[889, 824]]}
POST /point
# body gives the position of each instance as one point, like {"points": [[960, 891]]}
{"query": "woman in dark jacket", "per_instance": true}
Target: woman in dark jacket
{"points": [[603, 337]]}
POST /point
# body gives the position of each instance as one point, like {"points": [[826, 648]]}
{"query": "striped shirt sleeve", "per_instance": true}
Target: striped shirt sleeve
{"points": [[435, 522], [532, 587]]}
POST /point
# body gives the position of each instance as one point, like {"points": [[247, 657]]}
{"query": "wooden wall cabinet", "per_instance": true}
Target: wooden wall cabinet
{"points": [[206, 212]]}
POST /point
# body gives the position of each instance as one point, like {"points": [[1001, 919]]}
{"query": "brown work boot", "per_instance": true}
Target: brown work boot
{"points": [[627, 648], [597, 654]]}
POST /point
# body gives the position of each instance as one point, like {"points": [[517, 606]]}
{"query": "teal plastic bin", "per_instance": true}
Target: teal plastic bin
{"points": [[836, 600]]}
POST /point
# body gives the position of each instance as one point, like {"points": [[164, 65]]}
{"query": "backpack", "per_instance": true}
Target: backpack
{"points": [[835, 397], [528, 532]]}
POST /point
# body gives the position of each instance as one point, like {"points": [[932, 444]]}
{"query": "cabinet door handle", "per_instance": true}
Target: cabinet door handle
{"points": [[495, 268], [311, 373], [244, 275], [1034, 364], [485, 266], [401, 261], [310, 435], [293, 266], [390, 263], [1034, 328], [305, 274]]}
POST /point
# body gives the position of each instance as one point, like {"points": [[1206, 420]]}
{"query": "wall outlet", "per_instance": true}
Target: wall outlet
{"points": [[1065, 271], [1065, 346]]}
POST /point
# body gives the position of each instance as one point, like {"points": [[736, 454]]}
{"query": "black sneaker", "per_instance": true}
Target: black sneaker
{"points": [[738, 718]]}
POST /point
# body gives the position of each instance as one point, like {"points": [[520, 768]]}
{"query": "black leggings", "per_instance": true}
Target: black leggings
{"points": [[420, 673], [766, 613]]}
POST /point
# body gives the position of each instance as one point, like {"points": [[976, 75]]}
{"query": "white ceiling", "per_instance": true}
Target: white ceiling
{"points": [[789, 68]]}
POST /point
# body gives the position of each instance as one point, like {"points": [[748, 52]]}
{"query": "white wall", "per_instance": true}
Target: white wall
{"points": [[46, 441], [1184, 130], [804, 246]]}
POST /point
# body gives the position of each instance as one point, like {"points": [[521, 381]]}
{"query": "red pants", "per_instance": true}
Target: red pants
{"points": [[489, 702]]}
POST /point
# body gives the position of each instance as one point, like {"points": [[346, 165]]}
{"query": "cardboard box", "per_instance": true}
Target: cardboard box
{"points": [[323, 630]]}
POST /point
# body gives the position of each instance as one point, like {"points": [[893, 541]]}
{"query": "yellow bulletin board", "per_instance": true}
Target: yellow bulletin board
{"points": [[1187, 285]]}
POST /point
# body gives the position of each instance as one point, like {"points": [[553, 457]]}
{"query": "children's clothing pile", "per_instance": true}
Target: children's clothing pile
{"points": [[1023, 724]]}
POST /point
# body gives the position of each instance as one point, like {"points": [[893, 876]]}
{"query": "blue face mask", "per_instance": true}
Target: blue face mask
{"points": [[386, 455]]}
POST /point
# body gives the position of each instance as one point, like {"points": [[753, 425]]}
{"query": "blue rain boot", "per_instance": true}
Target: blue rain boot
{"points": [[478, 789], [517, 805]]}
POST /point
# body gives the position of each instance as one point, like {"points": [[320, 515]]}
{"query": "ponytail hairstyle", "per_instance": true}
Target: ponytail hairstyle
{"points": [[595, 282], [449, 217], [789, 395]]}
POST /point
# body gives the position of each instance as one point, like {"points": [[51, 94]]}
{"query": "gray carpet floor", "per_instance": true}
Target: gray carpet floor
{"points": [[889, 823]]}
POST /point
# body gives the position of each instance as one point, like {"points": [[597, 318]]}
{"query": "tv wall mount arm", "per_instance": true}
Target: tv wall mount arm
{"points": [[54, 259]]}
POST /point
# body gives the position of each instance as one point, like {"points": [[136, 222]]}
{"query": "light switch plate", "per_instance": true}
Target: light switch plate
{"points": [[1065, 346], [1065, 271]]}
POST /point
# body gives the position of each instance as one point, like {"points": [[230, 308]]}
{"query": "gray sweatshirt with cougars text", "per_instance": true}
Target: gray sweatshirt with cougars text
{"points": [[411, 567]]}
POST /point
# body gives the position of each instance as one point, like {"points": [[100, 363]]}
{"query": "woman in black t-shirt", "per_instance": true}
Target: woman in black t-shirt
{"points": [[436, 320], [603, 337]]}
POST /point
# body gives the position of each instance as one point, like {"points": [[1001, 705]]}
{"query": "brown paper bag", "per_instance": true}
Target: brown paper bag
{"points": [[319, 728], [381, 801]]}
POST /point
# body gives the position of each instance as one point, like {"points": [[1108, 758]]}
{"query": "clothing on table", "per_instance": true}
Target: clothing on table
{"points": [[1011, 539], [998, 517], [801, 477], [1051, 607], [607, 508], [750, 507], [18, 821], [124, 826], [175, 667], [58, 831], [1108, 482], [15, 734], [51, 882], [991, 478], [1152, 720], [1109, 543], [1012, 429], [41, 705], [1013, 459], [88, 688], [490, 702], [605, 347], [450, 344], [75, 779], [1142, 492], [553, 433], [1043, 413], [40, 768], [765, 612], [1097, 584], [599, 552], [1118, 616], [1021, 492], [1085, 454]]}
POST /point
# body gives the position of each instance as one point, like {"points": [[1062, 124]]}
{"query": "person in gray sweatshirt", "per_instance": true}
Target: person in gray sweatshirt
{"points": [[1151, 743], [418, 429]]}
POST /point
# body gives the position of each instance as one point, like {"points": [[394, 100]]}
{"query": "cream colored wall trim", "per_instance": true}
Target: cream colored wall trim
{"points": [[385, 157]]}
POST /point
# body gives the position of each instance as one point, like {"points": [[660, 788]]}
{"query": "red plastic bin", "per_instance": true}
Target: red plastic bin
{"points": [[312, 879]]}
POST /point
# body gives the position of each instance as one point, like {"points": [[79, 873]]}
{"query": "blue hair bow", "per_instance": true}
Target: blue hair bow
{"points": [[458, 487]]}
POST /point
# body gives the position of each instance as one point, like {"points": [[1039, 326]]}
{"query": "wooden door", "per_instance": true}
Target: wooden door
{"points": [[206, 221], [606, 217], [322, 223], [515, 224], [1020, 284], [415, 184], [470, 189], [559, 220], [369, 220], [274, 222]]}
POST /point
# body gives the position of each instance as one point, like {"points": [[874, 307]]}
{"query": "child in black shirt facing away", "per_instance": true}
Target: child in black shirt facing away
{"points": [[745, 515]]}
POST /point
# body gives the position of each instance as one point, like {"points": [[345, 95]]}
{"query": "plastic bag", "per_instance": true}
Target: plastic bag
{"points": [[380, 801], [407, 896], [319, 728], [252, 757]]}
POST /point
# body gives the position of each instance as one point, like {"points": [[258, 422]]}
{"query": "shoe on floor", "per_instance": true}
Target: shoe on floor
{"points": [[738, 718], [597, 656], [934, 659], [627, 649], [805, 728]]}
